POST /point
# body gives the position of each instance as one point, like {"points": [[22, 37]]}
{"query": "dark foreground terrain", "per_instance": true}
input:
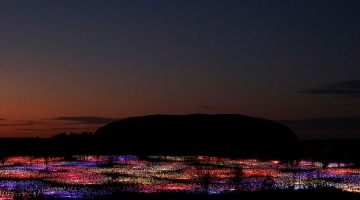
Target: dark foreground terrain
{"points": [[324, 193]]}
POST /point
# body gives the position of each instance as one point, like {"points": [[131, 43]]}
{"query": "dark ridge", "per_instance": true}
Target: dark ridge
{"points": [[218, 134], [322, 193], [263, 194]]}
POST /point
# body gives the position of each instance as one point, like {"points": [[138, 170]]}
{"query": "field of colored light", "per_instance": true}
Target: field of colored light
{"points": [[94, 176]]}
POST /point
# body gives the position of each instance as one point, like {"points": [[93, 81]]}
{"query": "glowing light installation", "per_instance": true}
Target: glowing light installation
{"points": [[91, 176]]}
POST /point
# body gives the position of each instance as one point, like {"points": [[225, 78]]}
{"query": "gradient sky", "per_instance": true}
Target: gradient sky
{"points": [[76, 65]]}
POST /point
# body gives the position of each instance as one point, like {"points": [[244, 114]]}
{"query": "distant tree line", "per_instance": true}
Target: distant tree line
{"points": [[64, 135], [68, 145]]}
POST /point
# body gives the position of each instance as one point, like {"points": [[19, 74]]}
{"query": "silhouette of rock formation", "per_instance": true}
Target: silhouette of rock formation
{"points": [[218, 134]]}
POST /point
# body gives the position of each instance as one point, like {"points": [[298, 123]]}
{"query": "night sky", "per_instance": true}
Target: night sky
{"points": [[76, 65]]}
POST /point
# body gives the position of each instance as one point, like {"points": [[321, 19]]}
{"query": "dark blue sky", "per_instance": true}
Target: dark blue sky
{"points": [[68, 65]]}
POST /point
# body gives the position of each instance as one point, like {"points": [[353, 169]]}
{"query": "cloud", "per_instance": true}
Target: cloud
{"points": [[348, 105], [31, 129], [87, 120], [69, 128], [211, 107], [347, 89], [335, 123], [20, 123], [207, 107], [292, 108]]}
